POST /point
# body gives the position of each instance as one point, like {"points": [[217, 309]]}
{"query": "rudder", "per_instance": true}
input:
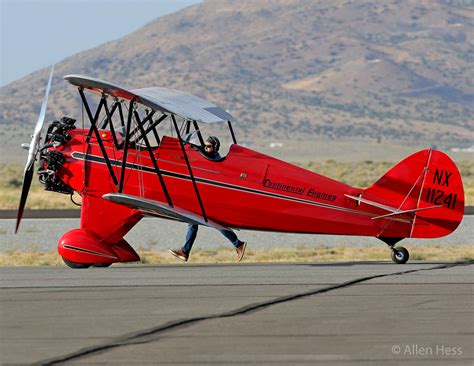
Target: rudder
{"points": [[425, 179]]}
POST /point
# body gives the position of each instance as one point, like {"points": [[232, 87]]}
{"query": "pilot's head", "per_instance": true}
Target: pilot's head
{"points": [[212, 145]]}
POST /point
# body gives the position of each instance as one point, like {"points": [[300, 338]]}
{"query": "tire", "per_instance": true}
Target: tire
{"points": [[102, 265], [400, 255], [76, 265]]}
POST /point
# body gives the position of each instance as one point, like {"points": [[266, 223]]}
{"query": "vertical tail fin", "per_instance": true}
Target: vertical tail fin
{"points": [[428, 178]]}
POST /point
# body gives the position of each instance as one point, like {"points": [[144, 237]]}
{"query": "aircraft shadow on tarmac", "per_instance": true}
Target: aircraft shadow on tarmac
{"points": [[325, 264], [352, 264]]}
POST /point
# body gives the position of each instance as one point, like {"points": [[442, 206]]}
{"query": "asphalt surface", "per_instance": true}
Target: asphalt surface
{"points": [[269, 314]]}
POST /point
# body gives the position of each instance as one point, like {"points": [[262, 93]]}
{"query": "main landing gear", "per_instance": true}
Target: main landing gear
{"points": [[82, 248], [76, 265], [400, 255]]}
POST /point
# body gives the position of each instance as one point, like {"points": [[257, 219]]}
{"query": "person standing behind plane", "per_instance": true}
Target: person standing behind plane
{"points": [[211, 149]]}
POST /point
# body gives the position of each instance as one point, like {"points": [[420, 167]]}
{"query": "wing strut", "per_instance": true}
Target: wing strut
{"points": [[232, 132], [196, 127], [108, 120], [153, 159], [109, 113], [189, 168], [96, 132], [125, 149], [128, 134]]}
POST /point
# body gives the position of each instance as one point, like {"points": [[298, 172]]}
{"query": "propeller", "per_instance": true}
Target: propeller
{"points": [[33, 149]]}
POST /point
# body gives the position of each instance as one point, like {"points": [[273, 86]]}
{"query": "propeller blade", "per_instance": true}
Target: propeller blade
{"points": [[27, 178], [34, 145], [32, 152]]}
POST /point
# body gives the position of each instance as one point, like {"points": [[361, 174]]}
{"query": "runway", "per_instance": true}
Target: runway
{"points": [[154, 234], [420, 313]]}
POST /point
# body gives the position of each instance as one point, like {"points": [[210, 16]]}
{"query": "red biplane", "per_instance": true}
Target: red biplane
{"points": [[143, 156]]}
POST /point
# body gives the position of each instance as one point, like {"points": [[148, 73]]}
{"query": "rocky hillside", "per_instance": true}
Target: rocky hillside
{"points": [[387, 70]]}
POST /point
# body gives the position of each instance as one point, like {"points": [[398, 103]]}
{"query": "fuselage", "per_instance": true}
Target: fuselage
{"points": [[246, 189], [125, 169]]}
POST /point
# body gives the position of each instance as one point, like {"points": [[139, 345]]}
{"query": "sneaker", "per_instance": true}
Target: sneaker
{"points": [[240, 251], [178, 253]]}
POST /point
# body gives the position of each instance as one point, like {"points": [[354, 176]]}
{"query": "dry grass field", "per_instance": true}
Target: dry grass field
{"points": [[274, 255], [10, 189]]}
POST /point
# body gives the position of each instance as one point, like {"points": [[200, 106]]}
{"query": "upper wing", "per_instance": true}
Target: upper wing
{"points": [[165, 100]]}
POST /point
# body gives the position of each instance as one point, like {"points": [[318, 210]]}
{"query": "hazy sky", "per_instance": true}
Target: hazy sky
{"points": [[38, 33]]}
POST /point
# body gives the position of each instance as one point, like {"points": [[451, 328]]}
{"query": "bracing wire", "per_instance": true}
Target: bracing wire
{"points": [[84, 147], [171, 126], [141, 181]]}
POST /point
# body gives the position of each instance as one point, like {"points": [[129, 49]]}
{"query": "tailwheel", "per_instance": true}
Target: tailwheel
{"points": [[76, 265], [400, 255]]}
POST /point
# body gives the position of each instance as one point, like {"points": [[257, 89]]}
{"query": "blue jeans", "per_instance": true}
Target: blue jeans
{"points": [[192, 233]]}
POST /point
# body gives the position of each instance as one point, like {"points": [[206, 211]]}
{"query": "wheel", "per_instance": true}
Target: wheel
{"points": [[76, 265], [400, 255], [102, 265]]}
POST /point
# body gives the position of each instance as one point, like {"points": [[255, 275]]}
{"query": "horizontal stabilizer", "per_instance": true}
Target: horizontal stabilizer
{"points": [[372, 203], [406, 212], [161, 209], [392, 210]]}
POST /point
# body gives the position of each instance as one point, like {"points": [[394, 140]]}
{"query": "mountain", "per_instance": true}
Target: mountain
{"points": [[393, 70]]}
